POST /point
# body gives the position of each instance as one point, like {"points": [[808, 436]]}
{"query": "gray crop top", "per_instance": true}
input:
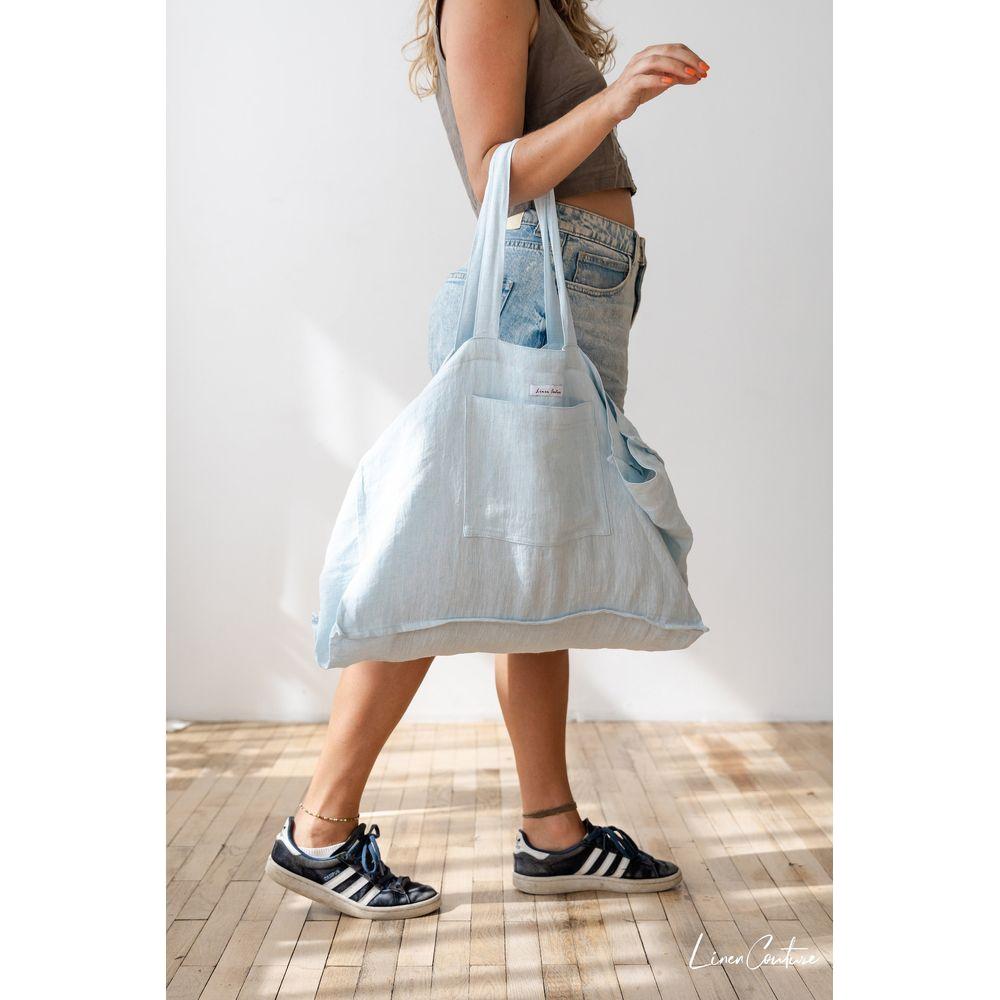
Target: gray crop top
{"points": [[560, 77]]}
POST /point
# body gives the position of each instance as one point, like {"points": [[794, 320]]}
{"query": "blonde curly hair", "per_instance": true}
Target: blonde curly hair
{"points": [[597, 43]]}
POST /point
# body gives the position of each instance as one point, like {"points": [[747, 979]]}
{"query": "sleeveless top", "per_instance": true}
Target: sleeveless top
{"points": [[559, 78]]}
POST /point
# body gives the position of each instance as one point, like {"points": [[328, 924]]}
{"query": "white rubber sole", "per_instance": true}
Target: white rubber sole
{"points": [[547, 885], [311, 890]]}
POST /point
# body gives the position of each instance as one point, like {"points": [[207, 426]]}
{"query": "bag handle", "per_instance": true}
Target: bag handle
{"points": [[482, 296], [559, 328]]}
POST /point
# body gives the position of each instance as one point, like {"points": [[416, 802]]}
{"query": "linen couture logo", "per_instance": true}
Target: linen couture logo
{"points": [[757, 954]]}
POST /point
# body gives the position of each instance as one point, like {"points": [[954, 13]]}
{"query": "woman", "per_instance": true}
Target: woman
{"points": [[500, 71]]}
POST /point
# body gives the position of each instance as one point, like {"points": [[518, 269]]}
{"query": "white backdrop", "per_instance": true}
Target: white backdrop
{"points": [[314, 207]]}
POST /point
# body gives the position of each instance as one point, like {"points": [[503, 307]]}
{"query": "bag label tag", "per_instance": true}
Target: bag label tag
{"points": [[545, 390]]}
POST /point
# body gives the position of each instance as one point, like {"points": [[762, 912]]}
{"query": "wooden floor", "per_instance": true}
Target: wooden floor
{"points": [[743, 809]]}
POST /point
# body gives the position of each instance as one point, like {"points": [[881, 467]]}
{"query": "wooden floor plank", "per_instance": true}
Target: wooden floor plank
{"points": [[338, 982], [555, 936], [181, 935], [283, 933], [262, 982], [417, 944], [234, 966], [349, 942], [673, 978], [593, 949], [450, 972], [378, 967], [785, 981], [189, 982], [619, 926], [748, 983], [486, 945], [412, 983], [487, 982], [562, 982], [637, 982], [818, 975], [178, 894], [218, 928]]}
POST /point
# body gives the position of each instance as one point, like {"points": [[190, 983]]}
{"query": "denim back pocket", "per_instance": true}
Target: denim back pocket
{"points": [[533, 472], [445, 309]]}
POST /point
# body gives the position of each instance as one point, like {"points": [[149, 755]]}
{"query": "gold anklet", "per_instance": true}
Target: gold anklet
{"points": [[542, 813], [330, 819]]}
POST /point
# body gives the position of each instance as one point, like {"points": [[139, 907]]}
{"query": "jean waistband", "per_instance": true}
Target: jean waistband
{"points": [[590, 226]]}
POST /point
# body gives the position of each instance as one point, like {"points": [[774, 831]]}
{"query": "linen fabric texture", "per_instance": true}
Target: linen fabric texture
{"points": [[511, 507]]}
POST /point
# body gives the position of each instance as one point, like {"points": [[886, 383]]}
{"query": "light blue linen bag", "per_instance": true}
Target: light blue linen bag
{"points": [[510, 507]]}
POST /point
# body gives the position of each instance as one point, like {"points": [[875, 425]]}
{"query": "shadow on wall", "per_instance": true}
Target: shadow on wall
{"points": [[339, 407]]}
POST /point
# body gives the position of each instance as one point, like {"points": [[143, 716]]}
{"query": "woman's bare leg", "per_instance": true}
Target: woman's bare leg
{"points": [[533, 689], [367, 705]]}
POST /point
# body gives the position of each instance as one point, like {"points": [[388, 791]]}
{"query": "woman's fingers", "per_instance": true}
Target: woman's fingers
{"points": [[681, 55], [654, 83], [663, 65]]}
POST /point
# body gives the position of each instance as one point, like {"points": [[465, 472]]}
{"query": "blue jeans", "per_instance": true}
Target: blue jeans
{"points": [[604, 263]]}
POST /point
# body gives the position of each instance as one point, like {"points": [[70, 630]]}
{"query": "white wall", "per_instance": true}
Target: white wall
{"points": [[313, 209]]}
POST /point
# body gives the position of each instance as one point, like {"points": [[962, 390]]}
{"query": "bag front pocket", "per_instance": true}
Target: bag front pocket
{"points": [[533, 472]]}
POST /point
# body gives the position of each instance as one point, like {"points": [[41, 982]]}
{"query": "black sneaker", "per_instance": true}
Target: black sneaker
{"points": [[355, 880], [607, 858]]}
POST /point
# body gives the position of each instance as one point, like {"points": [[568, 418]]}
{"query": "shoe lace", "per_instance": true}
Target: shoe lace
{"points": [[371, 859], [616, 839]]}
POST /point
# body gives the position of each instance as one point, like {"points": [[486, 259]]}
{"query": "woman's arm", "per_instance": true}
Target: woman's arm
{"points": [[487, 50]]}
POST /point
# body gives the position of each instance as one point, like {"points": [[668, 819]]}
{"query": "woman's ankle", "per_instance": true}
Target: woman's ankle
{"points": [[554, 833], [313, 831]]}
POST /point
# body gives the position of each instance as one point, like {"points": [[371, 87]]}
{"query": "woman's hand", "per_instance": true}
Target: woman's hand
{"points": [[650, 73]]}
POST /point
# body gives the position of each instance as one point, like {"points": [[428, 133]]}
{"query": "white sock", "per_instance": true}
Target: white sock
{"points": [[321, 852]]}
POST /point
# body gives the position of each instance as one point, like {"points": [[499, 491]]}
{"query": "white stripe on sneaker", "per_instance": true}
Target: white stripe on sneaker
{"points": [[606, 863], [620, 870], [591, 858], [347, 873], [370, 895], [359, 883]]}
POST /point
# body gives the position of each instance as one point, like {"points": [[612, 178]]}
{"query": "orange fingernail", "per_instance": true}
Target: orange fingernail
{"points": [[704, 66], [689, 71]]}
